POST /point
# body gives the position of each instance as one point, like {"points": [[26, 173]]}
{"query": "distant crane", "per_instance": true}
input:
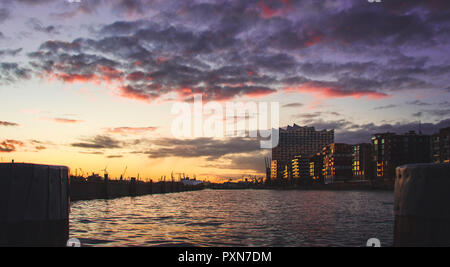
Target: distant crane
{"points": [[105, 170], [122, 176]]}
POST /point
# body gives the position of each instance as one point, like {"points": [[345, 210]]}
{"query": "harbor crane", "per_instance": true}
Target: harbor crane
{"points": [[122, 176], [105, 170]]}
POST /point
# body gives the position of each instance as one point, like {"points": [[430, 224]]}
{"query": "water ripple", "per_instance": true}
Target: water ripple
{"points": [[236, 218]]}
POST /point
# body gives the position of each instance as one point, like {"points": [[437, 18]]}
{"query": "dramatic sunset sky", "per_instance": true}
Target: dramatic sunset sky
{"points": [[91, 84]]}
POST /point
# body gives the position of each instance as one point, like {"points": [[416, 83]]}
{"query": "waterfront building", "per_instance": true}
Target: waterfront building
{"points": [[267, 164], [337, 162], [277, 169], [296, 140], [287, 174], [435, 148], [392, 150], [316, 168], [300, 168], [441, 146], [362, 164], [293, 141], [295, 168]]}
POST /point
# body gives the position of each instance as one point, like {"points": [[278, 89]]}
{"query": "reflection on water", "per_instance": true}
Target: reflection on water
{"points": [[236, 218]]}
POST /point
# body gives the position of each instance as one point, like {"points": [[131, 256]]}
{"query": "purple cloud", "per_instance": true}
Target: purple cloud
{"points": [[228, 49]]}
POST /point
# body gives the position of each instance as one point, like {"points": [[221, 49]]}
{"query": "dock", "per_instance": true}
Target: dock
{"points": [[35, 200], [108, 189], [34, 205]]}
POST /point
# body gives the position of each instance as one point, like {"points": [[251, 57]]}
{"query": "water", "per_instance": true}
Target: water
{"points": [[237, 218]]}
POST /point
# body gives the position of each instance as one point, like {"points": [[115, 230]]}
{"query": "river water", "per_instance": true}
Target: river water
{"points": [[236, 218]]}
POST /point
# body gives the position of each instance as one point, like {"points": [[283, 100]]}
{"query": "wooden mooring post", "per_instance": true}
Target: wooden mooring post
{"points": [[422, 205], [34, 205]]}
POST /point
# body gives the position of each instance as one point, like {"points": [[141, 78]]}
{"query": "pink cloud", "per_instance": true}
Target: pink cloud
{"points": [[269, 12], [130, 130], [63, 120], [322, 90], [128, 91]]}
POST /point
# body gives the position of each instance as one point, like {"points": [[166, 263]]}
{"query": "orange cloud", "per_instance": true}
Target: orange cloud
{"points": [[10, 145], [259, 93], [72, 78], [104, 74], [130, 130], [62, 120], [130, 92]]}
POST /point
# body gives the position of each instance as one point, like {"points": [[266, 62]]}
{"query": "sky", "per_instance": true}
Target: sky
{"points": [[90, 84]]}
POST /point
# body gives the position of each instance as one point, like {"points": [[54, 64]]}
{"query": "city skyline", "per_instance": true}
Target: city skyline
{"points": [[91, 84]]}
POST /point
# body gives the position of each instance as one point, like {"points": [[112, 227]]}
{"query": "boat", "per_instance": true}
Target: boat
{"points": [[192, 182]]}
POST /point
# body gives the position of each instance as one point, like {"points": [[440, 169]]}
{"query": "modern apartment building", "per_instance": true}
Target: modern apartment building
{"points": [[297, 141], [362, 165], [277, 170], [337, 162], [392, 150], [316, 168], [305, 141], [441, 146], [300, 167]]}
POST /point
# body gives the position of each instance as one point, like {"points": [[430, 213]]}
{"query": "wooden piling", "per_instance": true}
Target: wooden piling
{"points": [[422, 205], [106, 188], [133, 189], [34, 205]]}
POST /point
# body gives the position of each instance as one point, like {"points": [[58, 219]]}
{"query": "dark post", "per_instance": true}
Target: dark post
{"points": [[422, 210], [106, 181], [34, 205], [133, 191]]}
